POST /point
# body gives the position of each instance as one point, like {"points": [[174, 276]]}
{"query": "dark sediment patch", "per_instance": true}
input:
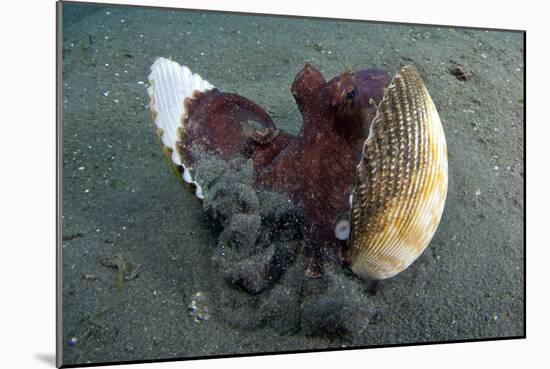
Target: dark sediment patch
{"points": [[260, 263]]}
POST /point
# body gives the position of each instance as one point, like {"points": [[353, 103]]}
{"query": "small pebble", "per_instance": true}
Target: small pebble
{"points": [[198, 307]]}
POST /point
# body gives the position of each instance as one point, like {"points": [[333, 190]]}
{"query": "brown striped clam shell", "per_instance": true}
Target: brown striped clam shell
{"points": [[401, 182]]}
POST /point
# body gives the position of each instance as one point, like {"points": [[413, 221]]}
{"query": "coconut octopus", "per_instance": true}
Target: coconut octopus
{"points": [[367, 170]]}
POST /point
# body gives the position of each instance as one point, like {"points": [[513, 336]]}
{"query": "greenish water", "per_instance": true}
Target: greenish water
{"points": [[74, 13]]}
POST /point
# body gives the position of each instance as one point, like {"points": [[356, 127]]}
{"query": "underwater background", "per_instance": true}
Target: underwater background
{"points": [[137, 247]]}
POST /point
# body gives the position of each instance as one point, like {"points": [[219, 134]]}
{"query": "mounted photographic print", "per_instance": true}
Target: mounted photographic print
{"points": [[241, 184]]}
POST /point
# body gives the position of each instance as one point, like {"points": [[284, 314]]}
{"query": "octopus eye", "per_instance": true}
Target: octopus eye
{"points": [[350, 95]]}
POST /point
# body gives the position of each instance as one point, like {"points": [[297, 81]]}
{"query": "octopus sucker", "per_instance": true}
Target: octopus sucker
{"points": [[367, 171]]}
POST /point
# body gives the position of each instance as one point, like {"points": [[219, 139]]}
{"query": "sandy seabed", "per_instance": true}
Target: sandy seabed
{"points": [[139, 280]]}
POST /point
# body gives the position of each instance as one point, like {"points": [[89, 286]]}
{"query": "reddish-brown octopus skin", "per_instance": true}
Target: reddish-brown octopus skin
{"points": [[315, 168], [220, 123]]}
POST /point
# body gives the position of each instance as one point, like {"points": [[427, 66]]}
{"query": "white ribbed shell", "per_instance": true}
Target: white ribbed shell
{"points": [[401, 183], [170, 85]]}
